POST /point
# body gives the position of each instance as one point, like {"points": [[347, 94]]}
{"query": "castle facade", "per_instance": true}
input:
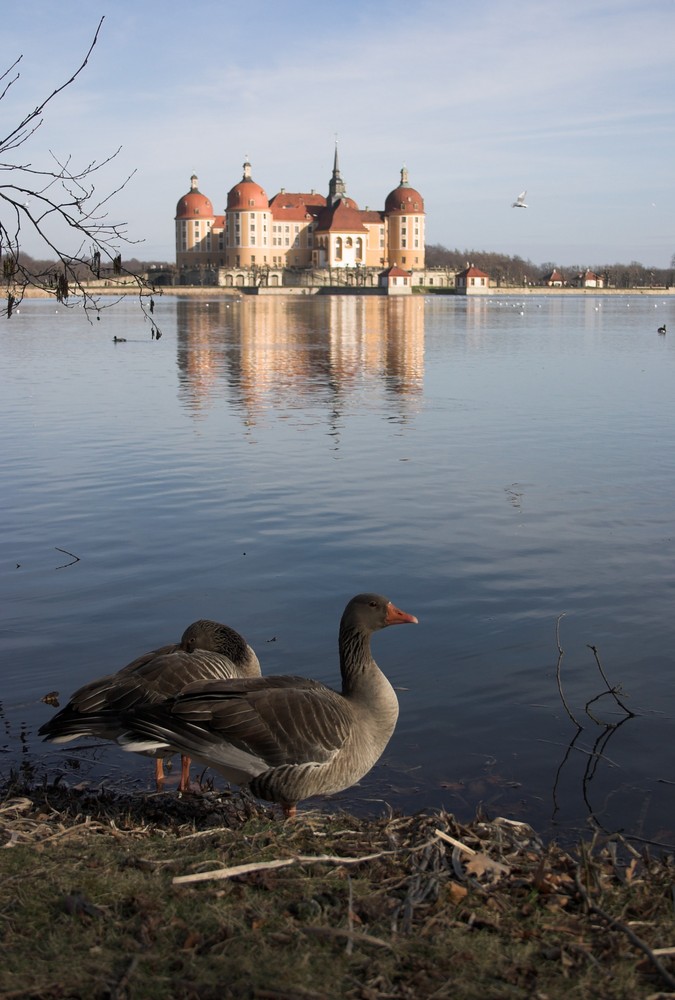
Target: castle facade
{"points": [[298, 231]]}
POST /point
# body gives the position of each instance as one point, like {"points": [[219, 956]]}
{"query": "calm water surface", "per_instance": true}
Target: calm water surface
{"points": [[488, 465]]}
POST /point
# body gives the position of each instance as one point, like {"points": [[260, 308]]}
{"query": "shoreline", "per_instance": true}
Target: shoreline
{"points": [[216, 291]]}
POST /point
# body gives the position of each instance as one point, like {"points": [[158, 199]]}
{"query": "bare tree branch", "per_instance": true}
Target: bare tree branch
{"points": [[60, 198]]}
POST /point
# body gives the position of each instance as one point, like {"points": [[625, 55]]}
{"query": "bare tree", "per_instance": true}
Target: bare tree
{"points": [[60, 205]]}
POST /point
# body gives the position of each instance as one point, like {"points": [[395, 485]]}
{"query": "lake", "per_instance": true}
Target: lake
{"points": [[502, 469]]}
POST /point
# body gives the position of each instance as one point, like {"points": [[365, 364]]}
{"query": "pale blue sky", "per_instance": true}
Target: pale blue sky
{"points": [[573, 101]]}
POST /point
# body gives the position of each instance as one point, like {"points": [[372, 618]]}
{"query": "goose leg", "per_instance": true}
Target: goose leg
{"points": [[184, 785], [159, 774]]}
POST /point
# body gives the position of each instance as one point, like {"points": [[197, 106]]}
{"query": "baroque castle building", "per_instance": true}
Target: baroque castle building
{"points": [[299, 231]]}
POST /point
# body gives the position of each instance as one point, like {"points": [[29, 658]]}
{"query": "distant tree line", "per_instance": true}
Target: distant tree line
{"points": [[82, 269], [516, 271], [503, 270]]}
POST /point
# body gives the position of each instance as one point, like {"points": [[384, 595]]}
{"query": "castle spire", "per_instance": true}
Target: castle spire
{"points": [[337, 188]]}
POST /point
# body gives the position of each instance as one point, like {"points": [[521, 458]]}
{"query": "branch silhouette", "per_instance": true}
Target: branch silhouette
{"points": [[59, 197]]}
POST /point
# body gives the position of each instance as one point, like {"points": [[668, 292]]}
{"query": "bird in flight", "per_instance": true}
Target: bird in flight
{"points": [[520, 201]]}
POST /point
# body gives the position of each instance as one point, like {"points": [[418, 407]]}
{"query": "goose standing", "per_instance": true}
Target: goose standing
{"points": [[207, 650], [287, 738]]}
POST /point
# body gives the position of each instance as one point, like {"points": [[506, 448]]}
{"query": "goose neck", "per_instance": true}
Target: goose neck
{"points": [[356, 660]]}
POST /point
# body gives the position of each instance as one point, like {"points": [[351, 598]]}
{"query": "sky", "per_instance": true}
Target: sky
{"points": [[573, 102]]}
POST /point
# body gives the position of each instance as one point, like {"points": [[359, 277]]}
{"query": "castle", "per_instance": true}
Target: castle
{"points": [[296, 232]]}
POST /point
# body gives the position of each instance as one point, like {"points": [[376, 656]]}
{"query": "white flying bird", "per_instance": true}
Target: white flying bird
{"points": [[520, 201]]}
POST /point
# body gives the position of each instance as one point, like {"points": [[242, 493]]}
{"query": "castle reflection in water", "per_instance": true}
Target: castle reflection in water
{"points": [[275, 353]]}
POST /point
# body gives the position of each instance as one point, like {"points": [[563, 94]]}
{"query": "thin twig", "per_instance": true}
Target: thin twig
{"points": [[349, 947], [301, 859], [611, 689], [67, 553], [561, 653], [341, 932], [630, 934]]}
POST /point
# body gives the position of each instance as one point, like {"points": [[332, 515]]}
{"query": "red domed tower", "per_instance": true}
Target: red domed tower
{"points": [[248, 226], [194, 224], [404, 212]]}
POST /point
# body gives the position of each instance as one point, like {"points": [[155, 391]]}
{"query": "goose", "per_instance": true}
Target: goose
{"points": [[207, 650], [520, 200], [662, 329], [119, 340], [286, 738]]}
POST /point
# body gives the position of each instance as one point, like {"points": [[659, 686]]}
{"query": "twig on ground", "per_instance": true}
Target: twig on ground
{"points": [[300, 859], [630, 934]]}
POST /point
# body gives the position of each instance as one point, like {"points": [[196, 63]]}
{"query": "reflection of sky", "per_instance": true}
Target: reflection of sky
{"points": [[333, 354], [528, 472]]}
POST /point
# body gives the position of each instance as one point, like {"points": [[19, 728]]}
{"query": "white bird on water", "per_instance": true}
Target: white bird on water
{"points": [[520, 201]]}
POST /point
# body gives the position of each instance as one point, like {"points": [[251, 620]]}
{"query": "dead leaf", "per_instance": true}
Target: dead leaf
{"points": [[481, 864], [457, 892]]}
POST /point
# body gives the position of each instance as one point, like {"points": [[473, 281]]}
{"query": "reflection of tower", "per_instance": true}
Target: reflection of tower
{"points": [[201, 349], [278, 354]]}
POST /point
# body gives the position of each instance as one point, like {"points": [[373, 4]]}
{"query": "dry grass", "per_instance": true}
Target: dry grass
{"points": [[97, 901]]}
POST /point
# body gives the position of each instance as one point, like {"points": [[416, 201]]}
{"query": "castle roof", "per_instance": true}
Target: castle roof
{"points": [[295, 206], [342, 217], [404, 198], [194, 203], [246, 194]]}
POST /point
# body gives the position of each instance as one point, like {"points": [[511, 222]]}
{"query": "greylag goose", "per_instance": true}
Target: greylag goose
{"points": [[286, 738], [207, 651]]}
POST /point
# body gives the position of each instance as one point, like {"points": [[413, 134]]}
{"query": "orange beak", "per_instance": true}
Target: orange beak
{"points": [[397, 617]]}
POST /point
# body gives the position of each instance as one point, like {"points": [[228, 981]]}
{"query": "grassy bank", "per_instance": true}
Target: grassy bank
{"points": [[101, 897]]}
